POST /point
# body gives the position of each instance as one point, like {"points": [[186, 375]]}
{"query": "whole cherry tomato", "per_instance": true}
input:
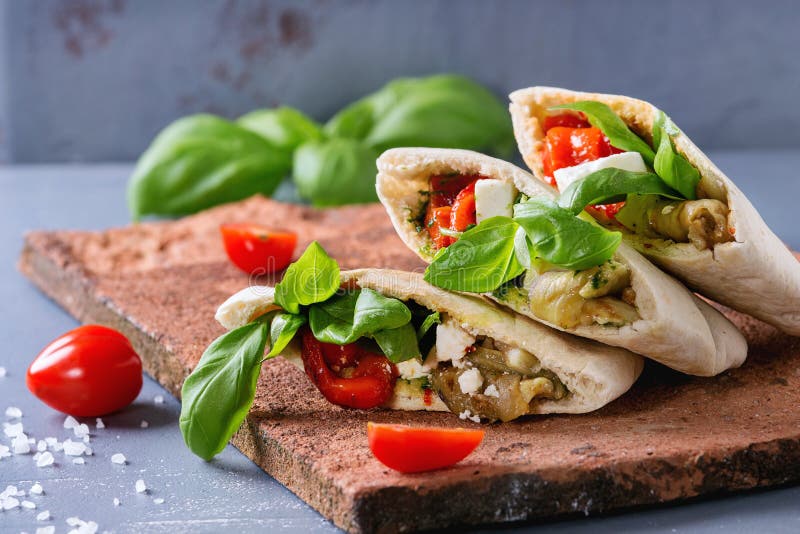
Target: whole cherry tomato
{"points": [[414, 449], [371, 376], [258, 250], [89, 371]]}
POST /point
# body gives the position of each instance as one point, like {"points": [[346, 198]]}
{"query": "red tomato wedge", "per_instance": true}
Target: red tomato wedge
{"points": [[89, 371], [256, 249], [415, 449]]}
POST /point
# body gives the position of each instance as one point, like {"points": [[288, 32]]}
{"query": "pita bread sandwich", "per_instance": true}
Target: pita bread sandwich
{"points": [[634, 171], [486, 226]]}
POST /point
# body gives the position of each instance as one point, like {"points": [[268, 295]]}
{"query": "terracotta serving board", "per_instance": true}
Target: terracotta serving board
{"points": [[671, 437]]}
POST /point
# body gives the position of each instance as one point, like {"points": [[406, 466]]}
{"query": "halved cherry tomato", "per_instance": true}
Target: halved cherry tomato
{"points": [[570, 120], [463, 211], [369, 384], [415, 449], [89, 371], [258, 250]]}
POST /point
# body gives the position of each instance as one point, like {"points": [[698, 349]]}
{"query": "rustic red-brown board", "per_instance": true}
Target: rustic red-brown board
{"points": [[671, 437]]}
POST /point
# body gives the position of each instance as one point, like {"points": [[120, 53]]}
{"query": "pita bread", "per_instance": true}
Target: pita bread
{"points": [[756, 273], [675, 328], [594, 374]]}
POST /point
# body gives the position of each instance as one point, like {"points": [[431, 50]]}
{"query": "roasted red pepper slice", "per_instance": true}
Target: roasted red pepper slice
{"points": [[435, 219], [445, 188], [371, 381], [463, 211]]}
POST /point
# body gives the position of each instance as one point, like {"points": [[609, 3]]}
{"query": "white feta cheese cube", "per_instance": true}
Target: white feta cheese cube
{"points": [[470, 381], [493, 198], [627, 161]]}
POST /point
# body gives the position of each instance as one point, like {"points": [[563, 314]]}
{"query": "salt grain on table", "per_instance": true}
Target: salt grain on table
{"points": [[78, 461], [2, 372], [70, 422], [45, 459], [4, 452], [13, 412], [140, 486], [144, 424], [29, 505], [158, 399], [46, 530], [74, 448], [36, 489], [118, 458], [12, 429], [116, 501], [20, 444], [99, 423], [43, 516]]}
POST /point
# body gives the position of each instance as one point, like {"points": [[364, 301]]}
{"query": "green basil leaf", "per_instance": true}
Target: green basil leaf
{"points": [[218, 394], [282, 330], [601, 116], [346, 318], [332, 321], [674, 169], [202, 161], [480, 261], [444, 111], [558, 237], [314, 277], [398, 344], [612, 185], [522, 248], [432, 319], [335, 172], [284, 127]]}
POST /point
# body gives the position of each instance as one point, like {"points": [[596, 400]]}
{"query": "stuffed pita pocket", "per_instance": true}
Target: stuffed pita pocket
{"points": [[378, 338], [489, 227], [679, 209]]}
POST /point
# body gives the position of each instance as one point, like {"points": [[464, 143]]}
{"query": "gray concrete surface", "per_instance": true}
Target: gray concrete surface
{"points": [[94, 80], [231, 493]]}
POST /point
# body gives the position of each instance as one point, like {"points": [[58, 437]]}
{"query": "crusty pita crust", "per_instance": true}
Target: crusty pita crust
{"points": [[676, 329], [755, 274], [595, 374]]}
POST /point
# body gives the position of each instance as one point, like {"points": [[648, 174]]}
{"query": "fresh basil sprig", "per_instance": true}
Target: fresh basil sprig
{"points": [[201, 161], [612, 185], [501, 248], [282, 330], [480, 261], [314, 277], [619, 135], [218, 394], [672, 167]]}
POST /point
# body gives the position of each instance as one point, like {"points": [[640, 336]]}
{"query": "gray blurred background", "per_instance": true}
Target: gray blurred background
{"points": [[94, 80]]}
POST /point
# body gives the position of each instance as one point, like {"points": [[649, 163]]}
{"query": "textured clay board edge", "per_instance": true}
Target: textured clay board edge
{"points": [[463, 499]]}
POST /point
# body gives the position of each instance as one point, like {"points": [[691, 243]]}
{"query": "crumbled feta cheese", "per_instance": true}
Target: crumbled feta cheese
{"points": [[411, 369], [452, 342], [99, 424], [158, 399], [466, 414], [491, 391], [470, 381], [118, 458], [70, 422], [12, 429], [13, 412], [140, 486], [20, 444], [36, 489], [74, 448], [43, 516], [45, 459]]}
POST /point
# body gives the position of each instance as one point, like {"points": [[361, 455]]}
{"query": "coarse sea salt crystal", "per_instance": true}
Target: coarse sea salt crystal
{"points": [[81, 430], [45, 459], [158, 399], [118, 458], [50, 529], [2, 372], [10, 503], [74, 521], [74, 448], [36, 489], [29, 505], [78, 461], [144, 424], [43, 516], [4, 452], [20, 444], [140, 486], [70, 422], [88, 451], [12, 429], [10, 491], [13, 412], [41, 445], [116, 501], [99, 423], [158, 500]]}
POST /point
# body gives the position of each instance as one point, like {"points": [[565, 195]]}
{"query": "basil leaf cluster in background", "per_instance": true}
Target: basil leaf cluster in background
{"points": [[673, 177], [220, 391], [499, 249], [203, 160]]}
